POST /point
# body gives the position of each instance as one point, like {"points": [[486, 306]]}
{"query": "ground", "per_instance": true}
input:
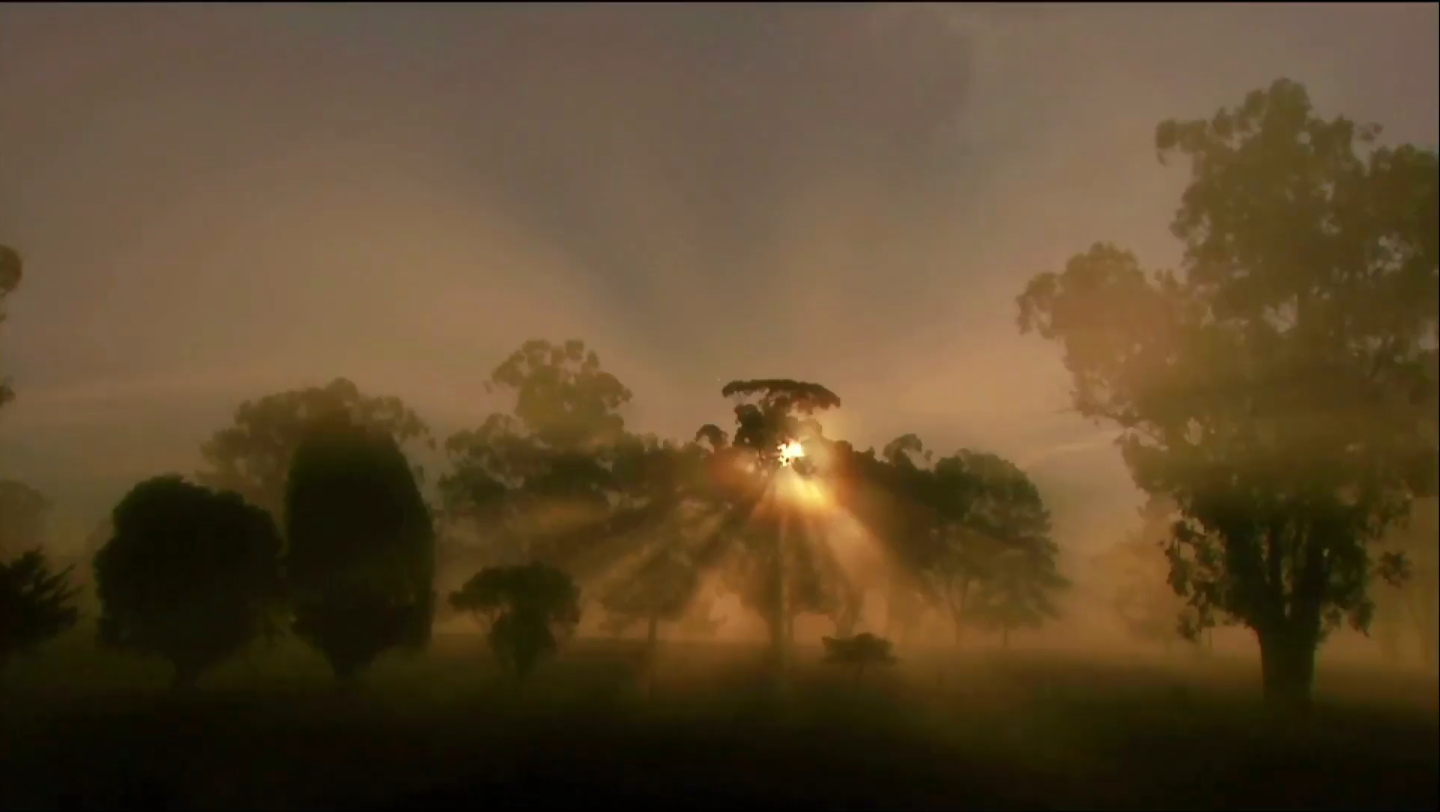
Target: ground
{"points": [[81, 728]]}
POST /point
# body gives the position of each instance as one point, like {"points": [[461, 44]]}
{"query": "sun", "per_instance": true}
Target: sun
{"points": [[790, 451]]}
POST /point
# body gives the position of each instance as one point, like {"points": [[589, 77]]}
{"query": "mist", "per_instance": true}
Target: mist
{"points": [[216, 204]]}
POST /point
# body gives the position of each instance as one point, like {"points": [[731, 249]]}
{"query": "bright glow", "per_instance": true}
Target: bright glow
{"points": [[791, 451]]}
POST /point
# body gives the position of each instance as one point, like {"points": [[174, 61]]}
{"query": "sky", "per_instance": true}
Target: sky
{"points": [[216, 202]]}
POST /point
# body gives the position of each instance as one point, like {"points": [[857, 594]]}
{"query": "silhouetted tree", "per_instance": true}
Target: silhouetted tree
{"points": [[35, 604], [1280, 387], [11, 269], [526, 608], [858, 652], [253, 456], [190, 575], [361, 545]]}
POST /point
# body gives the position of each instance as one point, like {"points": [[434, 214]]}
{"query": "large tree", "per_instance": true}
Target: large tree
{"points": [[190, 575], [252, 456], [361, 545], [1280, 385]]}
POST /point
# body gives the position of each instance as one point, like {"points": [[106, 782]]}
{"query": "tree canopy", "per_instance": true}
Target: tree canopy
{"points": [[527, 608], [190, 575], [361, 550], [252, 457], [1280, 385]]}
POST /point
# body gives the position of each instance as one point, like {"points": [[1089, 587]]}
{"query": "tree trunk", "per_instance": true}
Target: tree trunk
{"points": [[859, 672], [959, 631], [652, 634], [1005, 637], [1287, 665]]}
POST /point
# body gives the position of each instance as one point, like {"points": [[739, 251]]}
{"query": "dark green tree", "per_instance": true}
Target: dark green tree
{"points": [[1280, 386], [527, 609], [252, 457], [36, 604], [361, 546], [190, 575]]}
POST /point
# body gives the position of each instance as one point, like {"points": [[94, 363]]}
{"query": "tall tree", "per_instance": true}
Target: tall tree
{"points": [[252, 457], [1280, 386], [361, 545], [772, 418], [190, 575], [11, 269]]}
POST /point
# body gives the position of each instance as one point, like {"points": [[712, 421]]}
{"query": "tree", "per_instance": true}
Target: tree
{"points": [[190, 575], [1280, 386], [859, 651], [361, 545], [11, 269], [659, 590], [253, 456], [773, 574], [526, 608], [541, 477], [35, 603]]}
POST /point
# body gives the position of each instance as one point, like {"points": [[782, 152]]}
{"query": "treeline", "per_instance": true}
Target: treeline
{"points": [[1275, 395]]}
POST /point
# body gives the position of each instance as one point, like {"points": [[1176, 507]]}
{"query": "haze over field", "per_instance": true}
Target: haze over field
{"points": [[218, 202]]}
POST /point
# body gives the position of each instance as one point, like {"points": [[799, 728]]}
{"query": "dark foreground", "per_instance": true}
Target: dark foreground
{"points": [[79, 729]]}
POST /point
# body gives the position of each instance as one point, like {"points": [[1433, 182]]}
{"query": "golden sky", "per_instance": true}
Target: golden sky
{"points": [[217, 202]]}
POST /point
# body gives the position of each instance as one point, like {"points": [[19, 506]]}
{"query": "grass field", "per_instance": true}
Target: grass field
{"points": [[80, 728]]}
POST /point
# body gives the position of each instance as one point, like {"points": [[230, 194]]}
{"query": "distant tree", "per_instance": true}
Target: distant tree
{"points": [[858, 652], [1143, 600], [253, 456], [1410, 609], [190, 575], [23, 512], [541, 477], [361, 546], [526, 608], [659, 590], [35, 604], [11, 269], [1280, 387]]}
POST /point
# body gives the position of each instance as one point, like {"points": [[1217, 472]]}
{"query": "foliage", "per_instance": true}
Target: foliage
{"points": [[542, 476], [526, 607], [361, 545], [190, 575], [1280, 387], [253, 456], [35, 603]]}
